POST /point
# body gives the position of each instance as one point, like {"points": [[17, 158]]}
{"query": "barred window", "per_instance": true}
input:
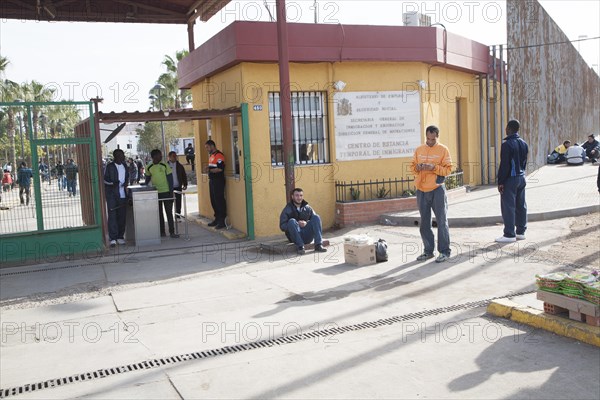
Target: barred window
{"points": [[309, 127]]}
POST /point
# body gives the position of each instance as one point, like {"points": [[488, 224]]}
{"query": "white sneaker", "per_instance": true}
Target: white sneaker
{"points": [[113, 243], [520, 237], [121, 241], [504, 239]]}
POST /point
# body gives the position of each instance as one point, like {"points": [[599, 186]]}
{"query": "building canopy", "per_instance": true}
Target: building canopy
{"points": [[127, 11]]}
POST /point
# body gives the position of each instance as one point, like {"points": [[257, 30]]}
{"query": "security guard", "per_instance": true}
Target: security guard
{"points": [[216, 183]]}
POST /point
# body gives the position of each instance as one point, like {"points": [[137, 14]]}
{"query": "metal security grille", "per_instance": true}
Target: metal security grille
{"points": [[160, 362], [309, 126]]}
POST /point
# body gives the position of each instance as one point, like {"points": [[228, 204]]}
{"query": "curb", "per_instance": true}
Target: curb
{"points": [[414, 220], [508, 309], [230, 234]]}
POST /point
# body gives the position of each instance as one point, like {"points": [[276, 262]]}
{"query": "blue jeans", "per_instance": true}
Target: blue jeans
{"points": [[436, 200], [514, 207], [301, 236], [72, 186], [62, 182]]}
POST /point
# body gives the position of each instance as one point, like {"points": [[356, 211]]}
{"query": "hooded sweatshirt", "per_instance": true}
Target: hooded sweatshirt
{"points": [[427, 181]]}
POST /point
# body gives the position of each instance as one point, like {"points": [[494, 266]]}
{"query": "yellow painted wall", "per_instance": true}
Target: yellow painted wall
{"points": [[252, 82], [219, 92]]}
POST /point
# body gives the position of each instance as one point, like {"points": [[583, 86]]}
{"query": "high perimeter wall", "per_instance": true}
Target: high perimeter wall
{"points": [[553, 92]]}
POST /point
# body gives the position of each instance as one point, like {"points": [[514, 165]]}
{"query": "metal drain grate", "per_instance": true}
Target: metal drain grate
{"points": [[159, 362]]}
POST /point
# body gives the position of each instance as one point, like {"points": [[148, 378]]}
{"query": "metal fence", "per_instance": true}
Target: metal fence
{"points": [[385, 189], [54, 169]]}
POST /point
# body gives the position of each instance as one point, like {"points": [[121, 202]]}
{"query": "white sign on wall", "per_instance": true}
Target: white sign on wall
{"points": [[373, 125], [178, 145]]}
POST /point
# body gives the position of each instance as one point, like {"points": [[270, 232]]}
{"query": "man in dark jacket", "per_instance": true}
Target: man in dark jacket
{"points": [[60, 176], [592, 148], [24, 176], [190, 155], [511, 184], [179, 181], [71, 170], [116, 180], [301, 224]]}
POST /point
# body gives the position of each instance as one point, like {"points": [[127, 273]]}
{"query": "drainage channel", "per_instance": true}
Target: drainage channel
{"points": [[168, 361]]}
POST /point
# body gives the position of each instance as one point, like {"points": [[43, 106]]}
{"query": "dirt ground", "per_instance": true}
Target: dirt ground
{"points": [[580, 249]]}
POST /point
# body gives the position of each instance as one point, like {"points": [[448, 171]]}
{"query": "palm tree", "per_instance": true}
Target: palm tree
{"points": [[8, 92], [3, 64], [172, 97], [36, 92]]}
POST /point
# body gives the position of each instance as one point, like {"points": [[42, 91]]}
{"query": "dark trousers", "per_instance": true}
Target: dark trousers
{"points": [[190, 160], [24, 190], [72, 186], [167, 205], [177, 200], [117, 216], [217, 198], [514, 207]]}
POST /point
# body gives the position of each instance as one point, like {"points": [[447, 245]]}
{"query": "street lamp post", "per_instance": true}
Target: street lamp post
{"points": [[20, 119], [160, 88], [44, 120]]}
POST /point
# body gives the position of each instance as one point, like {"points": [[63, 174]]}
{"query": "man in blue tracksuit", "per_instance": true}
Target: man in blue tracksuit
{"points": [[511, 184]]}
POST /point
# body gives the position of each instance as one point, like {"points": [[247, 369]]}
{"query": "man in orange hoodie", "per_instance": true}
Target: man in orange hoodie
{"points": [[431, 164]]}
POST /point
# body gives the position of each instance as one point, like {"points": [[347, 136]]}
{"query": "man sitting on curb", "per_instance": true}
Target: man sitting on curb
{"points": [[301, 224]]}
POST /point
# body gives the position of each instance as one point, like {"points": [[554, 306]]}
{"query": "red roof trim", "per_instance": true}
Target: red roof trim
{"points": [[244, 41]]}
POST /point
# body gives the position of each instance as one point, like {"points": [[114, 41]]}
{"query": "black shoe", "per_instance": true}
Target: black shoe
{"points": [[221, 226], [320, 249], [301, 251], [162, 234], [214, 223], [174, 236]]}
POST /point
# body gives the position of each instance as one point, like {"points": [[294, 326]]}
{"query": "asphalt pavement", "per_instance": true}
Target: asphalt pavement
{"points": [[212, 318]]}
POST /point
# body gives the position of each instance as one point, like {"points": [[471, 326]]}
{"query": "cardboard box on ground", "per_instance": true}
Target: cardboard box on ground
{"points": [[359, 254]]}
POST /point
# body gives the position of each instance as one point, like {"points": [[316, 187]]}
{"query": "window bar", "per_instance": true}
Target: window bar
{"points": [[302, 120], [314, 128]]}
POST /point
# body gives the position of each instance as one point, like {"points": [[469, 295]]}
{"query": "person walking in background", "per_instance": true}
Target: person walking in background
{"points": [[161, 176], [7, 181], [511, 184], [140, 166], [133, 171], [24, 176], [71, 170], [431, 164], [116, 180], [179, 181], [190, 155], [216, 184], [60, 176]]}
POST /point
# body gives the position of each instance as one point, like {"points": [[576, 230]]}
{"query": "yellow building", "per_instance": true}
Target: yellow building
{"points": [[361, 99]]}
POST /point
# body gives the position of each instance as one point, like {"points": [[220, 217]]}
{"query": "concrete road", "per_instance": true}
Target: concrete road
{"points": [[435, 341]]}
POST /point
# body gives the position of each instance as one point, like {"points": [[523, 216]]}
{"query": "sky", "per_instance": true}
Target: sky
{"points": [[121, 62]]}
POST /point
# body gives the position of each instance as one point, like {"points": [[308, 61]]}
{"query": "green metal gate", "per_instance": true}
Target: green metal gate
{"points": [[62, 216]]}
